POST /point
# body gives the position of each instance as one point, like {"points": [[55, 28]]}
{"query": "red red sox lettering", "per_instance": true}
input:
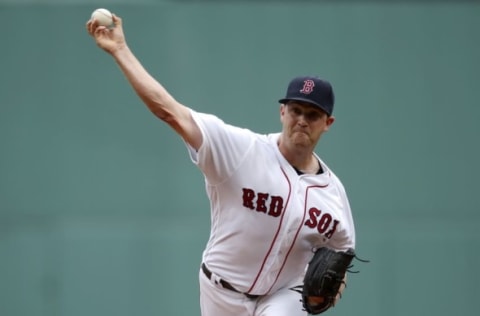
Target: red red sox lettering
{"points": [[273, 205]]}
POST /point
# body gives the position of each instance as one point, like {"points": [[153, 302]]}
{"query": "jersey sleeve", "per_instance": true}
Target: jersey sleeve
{"points": [[223, 148]]}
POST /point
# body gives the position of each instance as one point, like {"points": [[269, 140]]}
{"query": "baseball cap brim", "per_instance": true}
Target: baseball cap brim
{"points": [[284, 101]]}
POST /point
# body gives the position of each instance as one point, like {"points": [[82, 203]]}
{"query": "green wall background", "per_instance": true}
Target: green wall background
{"points": [[102, 213]]}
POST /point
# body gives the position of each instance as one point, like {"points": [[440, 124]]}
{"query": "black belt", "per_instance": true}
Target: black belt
{"points": [[225, 284]]}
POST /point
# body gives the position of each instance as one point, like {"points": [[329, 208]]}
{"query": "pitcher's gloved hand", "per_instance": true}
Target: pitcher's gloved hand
{"points": [[325, 279]]}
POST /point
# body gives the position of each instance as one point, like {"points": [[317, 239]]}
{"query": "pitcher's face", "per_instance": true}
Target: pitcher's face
{"points": [[304, 123]]}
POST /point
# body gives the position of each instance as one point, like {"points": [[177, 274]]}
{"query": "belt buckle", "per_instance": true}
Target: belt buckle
{"points": [[224, 283]]}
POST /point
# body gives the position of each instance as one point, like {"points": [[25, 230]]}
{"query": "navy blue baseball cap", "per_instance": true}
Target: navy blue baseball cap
{"points": [[311, 89]]}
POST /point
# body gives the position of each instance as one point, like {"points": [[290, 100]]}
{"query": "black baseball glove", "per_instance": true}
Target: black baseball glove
{"points": [[324, 278]]}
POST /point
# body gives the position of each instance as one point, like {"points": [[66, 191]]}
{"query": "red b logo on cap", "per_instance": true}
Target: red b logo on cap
{"points": [[308, 86]]}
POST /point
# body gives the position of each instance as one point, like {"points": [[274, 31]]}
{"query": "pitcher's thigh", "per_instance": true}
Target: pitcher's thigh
{"points": [[284, 302], [217, 301]]}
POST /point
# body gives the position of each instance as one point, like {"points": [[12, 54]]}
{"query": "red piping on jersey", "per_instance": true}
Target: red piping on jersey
{"points": [[276, 234], [296, 235]]}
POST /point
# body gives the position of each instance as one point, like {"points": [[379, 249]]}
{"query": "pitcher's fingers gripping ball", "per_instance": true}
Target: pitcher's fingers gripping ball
{"points": [[110, 38], [324, 279]]}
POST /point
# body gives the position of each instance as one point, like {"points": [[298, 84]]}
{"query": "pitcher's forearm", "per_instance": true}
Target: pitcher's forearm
{"points": [[152, 93]]}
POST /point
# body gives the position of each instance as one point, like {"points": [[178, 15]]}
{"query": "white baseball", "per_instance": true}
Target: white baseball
{"points": [[103, 17]]}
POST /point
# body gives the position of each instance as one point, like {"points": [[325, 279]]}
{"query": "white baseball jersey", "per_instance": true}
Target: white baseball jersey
{"points": [[265, 218]]}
